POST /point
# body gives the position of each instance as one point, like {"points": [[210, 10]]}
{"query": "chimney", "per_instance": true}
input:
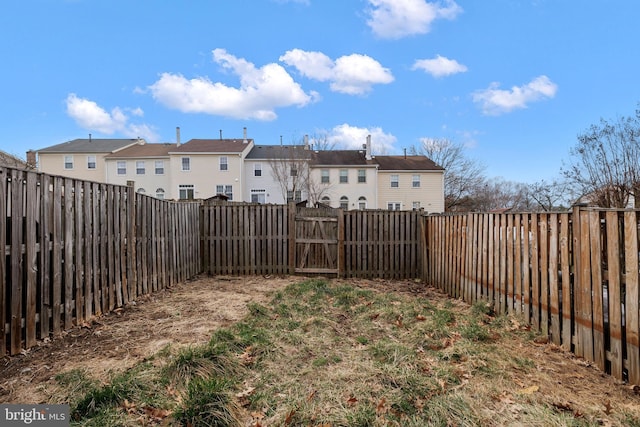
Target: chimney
{"points": [[89, 137], [244, 135], [177, 136], [31, 159], [306, 142], [220, 134], [368, 148]]}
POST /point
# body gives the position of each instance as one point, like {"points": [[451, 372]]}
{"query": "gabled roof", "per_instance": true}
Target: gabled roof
{"points": [[280, 152], [11, 161], [145, 150], [406, 163], [93, 145], [341, 158], [213, 146]]}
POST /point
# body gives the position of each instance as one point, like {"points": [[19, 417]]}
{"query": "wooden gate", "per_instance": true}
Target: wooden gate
{"points": [[318, 241]]}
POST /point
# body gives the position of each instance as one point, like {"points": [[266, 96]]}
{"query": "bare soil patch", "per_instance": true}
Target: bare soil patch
{"points": [[188, 313]]}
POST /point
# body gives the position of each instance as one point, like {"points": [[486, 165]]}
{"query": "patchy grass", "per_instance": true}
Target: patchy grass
{"points": [[327, 353]]}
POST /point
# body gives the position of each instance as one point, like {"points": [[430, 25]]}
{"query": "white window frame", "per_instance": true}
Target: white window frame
{"points": [[186, 188], [324, 176], [224, 163], [121, 167], [394, 206], [68, 162], [344, 203], [140, 167], [362, 203], [257, 169], [415, 181], [185, 164], [395, 181], [344, 176], [159, 170], [160, 193], [362, 176], [415, 205], [91, 162], [258, 196]]}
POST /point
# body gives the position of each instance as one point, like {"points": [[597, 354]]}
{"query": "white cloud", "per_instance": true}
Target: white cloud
{"points": [[89, 115], [261, 91], [439, 66], [495, 101], [352, 138], [395, 19], [352, 74]]}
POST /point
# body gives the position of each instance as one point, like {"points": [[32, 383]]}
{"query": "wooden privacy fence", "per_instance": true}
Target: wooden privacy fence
{"points": [[277, 239], [72, 249], [573, 275]]}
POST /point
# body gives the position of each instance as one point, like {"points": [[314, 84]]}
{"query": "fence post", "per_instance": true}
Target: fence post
{"points": [[340, 253], [291, 214]]}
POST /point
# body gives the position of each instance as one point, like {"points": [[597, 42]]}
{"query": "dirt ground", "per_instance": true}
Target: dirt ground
{"points": [[188, 313]]}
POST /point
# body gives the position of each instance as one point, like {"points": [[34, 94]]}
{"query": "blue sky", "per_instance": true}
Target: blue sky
{"points": [[514, 80]]}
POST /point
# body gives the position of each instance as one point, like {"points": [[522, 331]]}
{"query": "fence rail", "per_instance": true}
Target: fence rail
{"points": [[573, 276], [74, 249]]}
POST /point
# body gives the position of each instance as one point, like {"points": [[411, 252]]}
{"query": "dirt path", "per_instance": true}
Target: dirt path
{"points": [[186, 314]]}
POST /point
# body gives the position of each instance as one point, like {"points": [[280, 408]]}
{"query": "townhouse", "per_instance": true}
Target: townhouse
{"points": [[243, 171]]}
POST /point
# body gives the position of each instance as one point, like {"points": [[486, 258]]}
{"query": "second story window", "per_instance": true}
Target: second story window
{"points": [[257, 169], [362, 176], [91, 162], [159, 167], [122, 167], [395, 183], [415, 182], [324, 176], [68, 162], [224, 165], [140, 167], [186, 164], [344, 176], [294, 170]]}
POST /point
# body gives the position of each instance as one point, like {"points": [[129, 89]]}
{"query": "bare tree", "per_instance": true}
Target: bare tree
{"points": [[605, 164], [462, 175], [549, 196]]}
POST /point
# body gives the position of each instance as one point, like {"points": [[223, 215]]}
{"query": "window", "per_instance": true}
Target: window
{"points": [[415, 182], [326, 200], [394, 181], [362, 175], [324, 177], [224, 165], [258, 196], [294, 171], [159, 167], [91, 162], [257, 170], [394, 206], [185, 191], [415, 205], [68, 162], [344, 202], [362, 203], [227, 190], [159, 193], [186, 164], [122, 167], [140, 167], [344, 176], [294, 196], [141, 190]]}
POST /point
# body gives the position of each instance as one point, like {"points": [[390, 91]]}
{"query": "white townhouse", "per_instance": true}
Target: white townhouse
{"points": [[144, 165], [276, 174], [203, 168]]}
